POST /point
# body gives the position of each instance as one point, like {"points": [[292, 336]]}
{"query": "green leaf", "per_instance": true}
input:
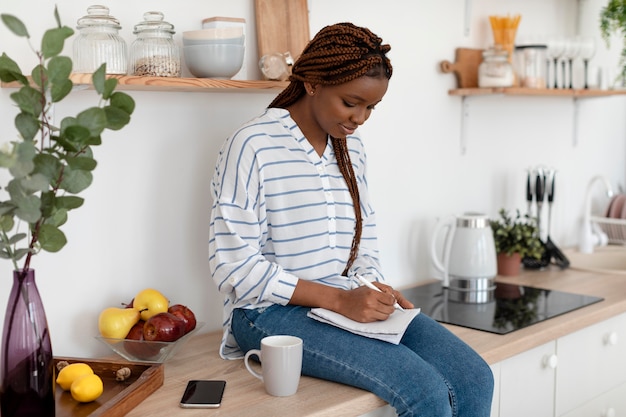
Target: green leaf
{"points": [[56, 16], [29, 100], [19, 253], [49, 166], [57, 218], [35, 182], [28, 209], [27, 125], [59, 69], [98, 78], [53, 40], [51, 238], [16, 238], [40, 76], [109, 87], [116, 118], [94, 119], [82, 163], [123, 101], [10, 71], [24, 162], [15, 25], [75, 181], [70, 202], [77, 134], [6, 223], [59, 90]]}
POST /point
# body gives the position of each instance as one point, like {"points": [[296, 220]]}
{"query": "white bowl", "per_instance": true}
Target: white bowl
{"points": [[207, 41], [214, 60], [213, 33]]}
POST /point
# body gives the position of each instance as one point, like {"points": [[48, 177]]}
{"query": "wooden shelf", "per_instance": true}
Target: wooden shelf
{"points": [[544, 92], [135, 83]]}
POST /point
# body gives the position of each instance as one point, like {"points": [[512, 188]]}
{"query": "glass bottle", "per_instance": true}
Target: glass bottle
{"points": [[99, 42], [495, 70], [27, 370], [154, 52]]}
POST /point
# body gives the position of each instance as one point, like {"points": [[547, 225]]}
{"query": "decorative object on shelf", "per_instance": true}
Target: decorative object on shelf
{"points": [[613, 20], [495, 70], [99, 42], [518, 235], [154, 52], [464, 67], [504, 29], [277, 66], [48, 166], [217, 22]]}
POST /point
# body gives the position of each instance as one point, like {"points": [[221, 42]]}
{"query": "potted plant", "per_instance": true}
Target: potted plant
{"points": [[47, 167], [515, 238], [613, 20]]}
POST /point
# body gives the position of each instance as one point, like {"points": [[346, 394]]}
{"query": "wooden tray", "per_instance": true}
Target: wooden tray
{"points": [[282, 26], [118, 398]]}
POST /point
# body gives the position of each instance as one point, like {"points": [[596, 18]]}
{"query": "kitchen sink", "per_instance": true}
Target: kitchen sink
{"points": [[606, 259]]}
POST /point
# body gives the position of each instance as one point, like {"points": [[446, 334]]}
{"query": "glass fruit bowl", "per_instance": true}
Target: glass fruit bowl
{"points": [[147, 351]]}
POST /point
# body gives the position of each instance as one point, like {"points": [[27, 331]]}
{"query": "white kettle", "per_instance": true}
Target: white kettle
{"points": [[469, 252]]}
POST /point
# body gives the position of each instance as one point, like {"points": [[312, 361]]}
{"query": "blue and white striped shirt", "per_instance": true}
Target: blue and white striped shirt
{"points": [[282, 213]]}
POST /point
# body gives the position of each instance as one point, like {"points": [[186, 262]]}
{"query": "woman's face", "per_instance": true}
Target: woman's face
{"points": [[339, 109]]}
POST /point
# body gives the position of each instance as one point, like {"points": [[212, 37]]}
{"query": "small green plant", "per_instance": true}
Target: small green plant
{"points": [[613, 20], [49, 165], [517, 235]]}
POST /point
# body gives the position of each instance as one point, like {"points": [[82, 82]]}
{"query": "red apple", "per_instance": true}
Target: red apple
{"points": [[184, 313], [135, 345], [163, 327]]}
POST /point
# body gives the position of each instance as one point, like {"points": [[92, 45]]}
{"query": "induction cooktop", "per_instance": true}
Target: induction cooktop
{"points": [[513, 307]]}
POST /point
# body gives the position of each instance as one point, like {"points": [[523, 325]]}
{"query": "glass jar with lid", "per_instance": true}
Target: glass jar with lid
{"points": [[154, 52], [495, 70], [99, 42]]}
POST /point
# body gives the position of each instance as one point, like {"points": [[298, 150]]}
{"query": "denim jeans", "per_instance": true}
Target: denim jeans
{"points": [[430, 373]]}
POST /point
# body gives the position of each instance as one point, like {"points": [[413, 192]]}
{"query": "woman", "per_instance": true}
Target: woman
{"points": [[292, 225]]}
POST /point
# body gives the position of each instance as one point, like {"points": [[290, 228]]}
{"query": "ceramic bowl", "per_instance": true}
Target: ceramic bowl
{"points": [[147, 351], [214, 60], [213, 33], [239, 40]]}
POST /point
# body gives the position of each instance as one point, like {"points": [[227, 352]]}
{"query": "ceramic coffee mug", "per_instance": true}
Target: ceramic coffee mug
{"points": [[281, 364]]}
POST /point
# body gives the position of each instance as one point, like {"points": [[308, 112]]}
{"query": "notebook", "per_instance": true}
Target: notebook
{"points": [[390, 330]]}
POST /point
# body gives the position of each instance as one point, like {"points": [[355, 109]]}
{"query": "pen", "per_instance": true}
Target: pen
{"points": [[375, 288]]}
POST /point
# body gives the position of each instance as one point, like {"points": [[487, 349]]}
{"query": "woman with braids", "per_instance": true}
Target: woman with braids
{"points": [[292, 225]]}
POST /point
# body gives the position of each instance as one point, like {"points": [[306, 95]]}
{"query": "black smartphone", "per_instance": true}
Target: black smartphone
{"points": [[203, 394]]}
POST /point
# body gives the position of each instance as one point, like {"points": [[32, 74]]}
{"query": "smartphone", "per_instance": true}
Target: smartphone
{"points": [[203, 394]]}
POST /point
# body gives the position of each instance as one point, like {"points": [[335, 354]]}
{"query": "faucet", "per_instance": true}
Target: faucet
{"points": [[590, 234]]}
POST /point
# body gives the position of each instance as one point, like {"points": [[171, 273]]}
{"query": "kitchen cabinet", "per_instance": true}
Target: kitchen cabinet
{"points": [[137, 83], [580, 374]]}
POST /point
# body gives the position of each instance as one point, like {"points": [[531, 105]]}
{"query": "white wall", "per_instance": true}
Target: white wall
{"points": [[145, 221]]}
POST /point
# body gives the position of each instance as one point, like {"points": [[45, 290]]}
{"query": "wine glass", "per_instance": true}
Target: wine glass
{"points": [[587, 51], [556, 46], [572, 47]]}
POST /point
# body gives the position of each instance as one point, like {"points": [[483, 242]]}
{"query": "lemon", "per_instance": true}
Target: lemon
{"points": [[72, 372], [87, 388]]}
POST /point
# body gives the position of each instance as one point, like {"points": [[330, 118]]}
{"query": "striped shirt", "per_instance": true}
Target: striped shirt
{"points": [[282, 213]]}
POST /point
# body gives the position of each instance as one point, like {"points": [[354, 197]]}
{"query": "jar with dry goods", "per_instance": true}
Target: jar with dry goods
{"points": [[154, 52], [99, 42], [495, 70]]}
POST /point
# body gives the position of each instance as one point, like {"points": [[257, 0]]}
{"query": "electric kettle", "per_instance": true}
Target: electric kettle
{"points": [[468, 262]]}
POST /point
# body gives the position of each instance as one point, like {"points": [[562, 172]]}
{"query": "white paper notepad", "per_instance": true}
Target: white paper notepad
{"points": [[390, 330]]}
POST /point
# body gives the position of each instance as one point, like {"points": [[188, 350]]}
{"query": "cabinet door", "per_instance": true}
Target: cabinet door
{"points": [[495, 404], [527, 383], [591, 362], [610, 404]]}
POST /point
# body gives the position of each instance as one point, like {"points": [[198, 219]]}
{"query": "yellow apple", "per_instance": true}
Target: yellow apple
{"points": [[150, 302], [116, 322]]}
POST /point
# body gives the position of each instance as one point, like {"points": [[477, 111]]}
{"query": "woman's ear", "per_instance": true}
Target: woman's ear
{"points": [[310, 88]]}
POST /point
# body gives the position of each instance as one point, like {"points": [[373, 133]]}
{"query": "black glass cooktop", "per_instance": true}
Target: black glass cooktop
{"points": [[513, 307]]}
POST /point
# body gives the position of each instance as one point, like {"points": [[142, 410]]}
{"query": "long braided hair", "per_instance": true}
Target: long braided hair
{"points": [[338, 54]]}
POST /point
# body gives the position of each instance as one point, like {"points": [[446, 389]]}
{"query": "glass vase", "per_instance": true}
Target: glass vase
{"points": [[27, 368]]}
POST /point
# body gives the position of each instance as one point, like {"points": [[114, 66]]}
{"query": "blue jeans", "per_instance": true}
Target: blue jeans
{"points": [[430, 373]]}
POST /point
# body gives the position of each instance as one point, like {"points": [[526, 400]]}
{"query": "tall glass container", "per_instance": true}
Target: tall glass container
{"points": [[154, 52], [99, 42]]}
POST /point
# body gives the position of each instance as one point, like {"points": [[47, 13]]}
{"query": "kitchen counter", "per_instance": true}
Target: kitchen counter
{"points": [[245, 395]]}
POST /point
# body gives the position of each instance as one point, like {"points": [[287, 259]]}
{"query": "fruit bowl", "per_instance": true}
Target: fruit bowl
{"points": [[147, 351]]}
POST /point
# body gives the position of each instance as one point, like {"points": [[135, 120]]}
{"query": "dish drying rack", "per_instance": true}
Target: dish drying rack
{"points": [[615, 229]]}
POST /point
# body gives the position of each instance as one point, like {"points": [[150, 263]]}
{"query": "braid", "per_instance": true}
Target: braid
{"points": [[338, 54]]}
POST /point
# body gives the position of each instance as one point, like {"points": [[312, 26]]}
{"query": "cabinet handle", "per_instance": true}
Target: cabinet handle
{"points": [[611, 339], [550, 361], [609, 412]]}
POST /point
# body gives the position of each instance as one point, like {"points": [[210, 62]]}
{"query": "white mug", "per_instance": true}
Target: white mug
{"points": [[281, 364]]}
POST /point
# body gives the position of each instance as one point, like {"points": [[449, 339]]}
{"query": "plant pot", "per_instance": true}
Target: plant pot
{"points": [[509, 265], [27, 368]]}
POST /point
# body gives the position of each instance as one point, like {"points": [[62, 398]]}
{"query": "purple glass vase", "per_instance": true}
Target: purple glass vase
{"points": [[27, 368]]}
